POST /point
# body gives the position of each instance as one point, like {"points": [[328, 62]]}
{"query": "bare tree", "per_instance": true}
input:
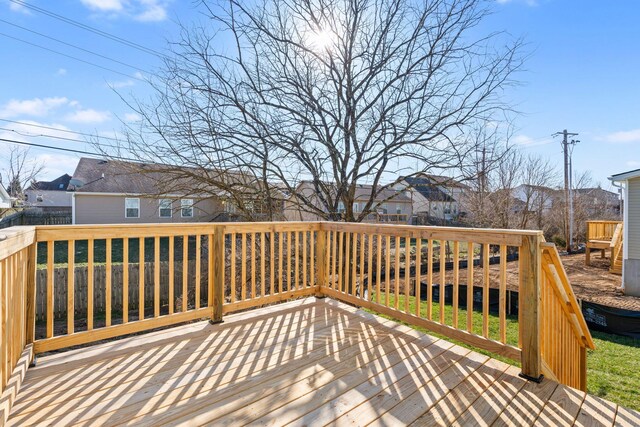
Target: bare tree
{"points": [[19, 171], [335, 93], [492, 151], [539, 178]]}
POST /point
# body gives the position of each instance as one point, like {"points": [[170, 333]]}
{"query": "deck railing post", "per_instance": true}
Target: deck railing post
{"points": [[30, 323], [321, 261], [530, 306], [216, 286]]}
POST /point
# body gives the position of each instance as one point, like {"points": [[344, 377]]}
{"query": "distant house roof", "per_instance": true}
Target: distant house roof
{"points": [[119, 177], [445, 181], [363, 191], [59, 184], [596, 190], [537, 188], [625, 175], [428, 189], [114, 176]]}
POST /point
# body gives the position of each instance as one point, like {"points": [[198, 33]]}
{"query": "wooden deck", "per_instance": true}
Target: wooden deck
{"points": [[307, 362]]}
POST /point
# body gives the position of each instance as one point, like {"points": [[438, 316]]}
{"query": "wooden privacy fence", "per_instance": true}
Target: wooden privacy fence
{"points": [[99, 292], [88, 291]]}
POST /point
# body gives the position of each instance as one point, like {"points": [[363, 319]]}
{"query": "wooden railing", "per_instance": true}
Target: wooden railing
{"points": [[616, 250], [565, 335], [387, 218], [17, 265], [601, 230], [421, 275]]}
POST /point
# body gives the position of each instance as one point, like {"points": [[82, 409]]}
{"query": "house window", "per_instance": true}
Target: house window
{"points": [[165, 208], [341, 208], [186, 208], [131, 208], [355, 207], [61, 186], [398, 208], [229, 207], [39, 198]]}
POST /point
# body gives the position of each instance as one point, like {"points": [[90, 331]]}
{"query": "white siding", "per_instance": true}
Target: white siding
{"points": [[632, 204]]}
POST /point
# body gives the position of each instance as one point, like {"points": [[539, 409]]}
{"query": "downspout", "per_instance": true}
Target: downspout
{"points": [[73, 208]]}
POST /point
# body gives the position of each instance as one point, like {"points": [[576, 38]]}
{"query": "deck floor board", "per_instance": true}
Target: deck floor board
{"points": [[308, 362]]}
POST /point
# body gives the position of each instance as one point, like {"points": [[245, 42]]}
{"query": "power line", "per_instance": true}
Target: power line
{"points": [[74, 46], [57, 129], [72, 57], [61, 138], [68, 150], [90, 29]]}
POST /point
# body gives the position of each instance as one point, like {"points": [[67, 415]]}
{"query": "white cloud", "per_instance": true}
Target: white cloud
{"points": [[88, 116], [56, 165], [633, 163], [37, 107], [17, 7], [527, 2], [139, 10], [103, 5], [132, 117], [120, 84], [622, 137], [527, 141], [61, 72]]}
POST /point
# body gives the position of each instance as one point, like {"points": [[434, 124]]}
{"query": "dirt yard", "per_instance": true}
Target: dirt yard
{"points": [[593, 283]]}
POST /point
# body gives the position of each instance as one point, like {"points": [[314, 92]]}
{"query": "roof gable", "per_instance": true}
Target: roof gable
{"points": [[59, 184], [428, 189]]}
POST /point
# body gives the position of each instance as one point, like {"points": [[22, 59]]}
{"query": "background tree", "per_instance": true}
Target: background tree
{"points": [[333, 92], [19, 171]]}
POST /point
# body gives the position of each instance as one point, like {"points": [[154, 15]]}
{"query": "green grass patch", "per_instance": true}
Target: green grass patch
{"points": [[613, 368], [81, 251]]}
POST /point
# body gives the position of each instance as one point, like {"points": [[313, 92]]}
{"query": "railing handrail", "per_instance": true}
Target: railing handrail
{"points": [[14, 239], [315, 243], [617, 236], [565, 292]]}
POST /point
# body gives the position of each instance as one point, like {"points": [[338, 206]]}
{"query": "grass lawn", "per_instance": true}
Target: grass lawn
{"points": [[613, 368], [100, 249]]}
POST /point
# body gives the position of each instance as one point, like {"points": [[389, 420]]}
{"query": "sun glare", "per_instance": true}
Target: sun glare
{"points": [[322, 39]]}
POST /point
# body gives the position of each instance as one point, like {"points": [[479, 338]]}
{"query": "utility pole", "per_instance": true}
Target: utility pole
{"points": [[568, 217]]}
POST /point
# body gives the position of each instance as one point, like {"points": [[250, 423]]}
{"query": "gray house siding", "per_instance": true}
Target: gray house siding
{"points": [[632, 239], [633, 206], [110, 209]]}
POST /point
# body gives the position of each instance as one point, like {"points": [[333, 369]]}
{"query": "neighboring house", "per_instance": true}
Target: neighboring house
{"points": [[389, 205], [433, 196], [5, 200], [597, 202], [631, 230], [49, 195], [535, 198], [114, 192]]}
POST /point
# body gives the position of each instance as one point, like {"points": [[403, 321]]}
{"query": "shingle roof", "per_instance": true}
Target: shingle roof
{"points": [[59, 184], [428, 189], [363, 191], [114, 176]]}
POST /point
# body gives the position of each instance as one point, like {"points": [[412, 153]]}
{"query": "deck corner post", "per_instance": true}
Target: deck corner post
{"points": [[530, 306], [321, 262], [30, 324], [216, 286]]}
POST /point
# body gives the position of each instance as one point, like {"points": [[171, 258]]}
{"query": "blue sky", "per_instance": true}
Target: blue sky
{"points": [[582, 74]]}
